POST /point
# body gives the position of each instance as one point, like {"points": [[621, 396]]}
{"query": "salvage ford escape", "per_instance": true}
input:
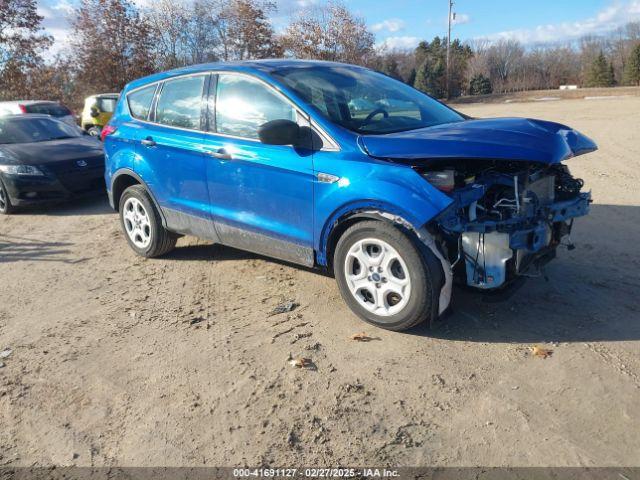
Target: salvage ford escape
{"points": [[336, 166]]}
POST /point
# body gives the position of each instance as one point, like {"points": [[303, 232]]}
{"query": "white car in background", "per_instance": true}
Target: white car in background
{"points": [[43, 107]]}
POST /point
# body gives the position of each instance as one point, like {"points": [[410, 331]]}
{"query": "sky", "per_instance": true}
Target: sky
{"points": [[403, 23]]}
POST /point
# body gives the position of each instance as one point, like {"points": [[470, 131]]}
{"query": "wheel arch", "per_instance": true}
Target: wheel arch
{"points": [[342, 220], [346, 216], [125, 178]]}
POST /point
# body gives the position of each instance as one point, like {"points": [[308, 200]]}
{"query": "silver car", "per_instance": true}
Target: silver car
{"points": [[43, 107]]}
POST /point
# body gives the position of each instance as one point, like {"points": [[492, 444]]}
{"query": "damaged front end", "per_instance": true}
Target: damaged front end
{"points": [[507, 217]]}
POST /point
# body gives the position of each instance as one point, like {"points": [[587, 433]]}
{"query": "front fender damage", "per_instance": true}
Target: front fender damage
{"points": [[444, 298]]}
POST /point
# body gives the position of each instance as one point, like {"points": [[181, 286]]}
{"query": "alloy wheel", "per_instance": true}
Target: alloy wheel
{"points": [[137, 223], [377, 277]]}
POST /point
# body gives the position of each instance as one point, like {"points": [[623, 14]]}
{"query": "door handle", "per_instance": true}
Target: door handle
{"points": [[222, 154], [148, 142]]}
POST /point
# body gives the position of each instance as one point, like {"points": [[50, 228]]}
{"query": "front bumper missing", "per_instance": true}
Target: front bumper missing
{"points": [[495, 252]]}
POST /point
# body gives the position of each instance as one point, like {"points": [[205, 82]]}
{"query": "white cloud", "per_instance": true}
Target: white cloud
{"points": [[64, 6], [608, 19], [61, 41], [391, 25], [399, 43]]}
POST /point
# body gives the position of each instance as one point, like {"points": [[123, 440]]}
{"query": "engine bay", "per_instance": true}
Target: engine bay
{"points": [[507, 217]]}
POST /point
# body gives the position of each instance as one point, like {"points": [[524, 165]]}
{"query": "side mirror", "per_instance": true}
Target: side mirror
{"points": [[94, 112], [279, 132]]}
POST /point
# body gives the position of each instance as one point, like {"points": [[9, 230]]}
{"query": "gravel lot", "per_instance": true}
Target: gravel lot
{"points": [[121, 361]]}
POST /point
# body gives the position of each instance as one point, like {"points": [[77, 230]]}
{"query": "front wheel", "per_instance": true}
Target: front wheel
{"points": [[142, 224], [6, 207], [385, 277]]}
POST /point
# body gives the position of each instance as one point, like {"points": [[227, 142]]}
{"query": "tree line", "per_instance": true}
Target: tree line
{"points": [[114, 41]]}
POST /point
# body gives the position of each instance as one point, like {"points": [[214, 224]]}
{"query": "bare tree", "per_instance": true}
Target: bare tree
{"points": [[113, 51], [209, 30], [169, 20], [502, 61], [250, 33], [329, 32], [205, 32], [21, 45]]}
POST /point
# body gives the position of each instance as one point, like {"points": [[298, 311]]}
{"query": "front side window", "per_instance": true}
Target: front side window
{"points": [[180, 102], [243, 104], [140, 102], [364, 101]]}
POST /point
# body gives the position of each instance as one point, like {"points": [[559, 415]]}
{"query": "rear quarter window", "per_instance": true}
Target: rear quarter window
{"points": [[140, 102]]}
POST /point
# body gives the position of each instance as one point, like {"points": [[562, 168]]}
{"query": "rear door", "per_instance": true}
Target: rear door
{"points": [[171, 154]]}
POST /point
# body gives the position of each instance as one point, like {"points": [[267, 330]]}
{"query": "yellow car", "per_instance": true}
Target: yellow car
{"points": [[97, 112]]}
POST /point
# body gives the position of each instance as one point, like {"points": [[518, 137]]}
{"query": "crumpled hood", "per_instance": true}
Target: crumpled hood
{"points": [[43, 153], [493, 138]]}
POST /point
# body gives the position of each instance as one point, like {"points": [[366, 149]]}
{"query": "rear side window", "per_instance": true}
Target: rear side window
{"points": [[107, 105], [180, 102], [243, 104], [140, 102], [53, 109]]}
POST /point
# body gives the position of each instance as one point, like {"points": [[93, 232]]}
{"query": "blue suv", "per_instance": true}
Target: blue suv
{"points": [[339, 167]]}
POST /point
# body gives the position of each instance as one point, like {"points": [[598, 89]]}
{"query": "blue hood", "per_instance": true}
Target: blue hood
{"points": [[493, 138]]}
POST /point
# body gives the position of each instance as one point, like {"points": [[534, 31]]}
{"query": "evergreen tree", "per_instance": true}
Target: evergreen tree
{"points": [[431, 59], [429, 77], [632, 68], [390, 67], [480, 85], [601, 73]]}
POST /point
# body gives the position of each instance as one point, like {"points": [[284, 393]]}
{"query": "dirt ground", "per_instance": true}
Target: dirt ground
{"points": [[121, 361]]}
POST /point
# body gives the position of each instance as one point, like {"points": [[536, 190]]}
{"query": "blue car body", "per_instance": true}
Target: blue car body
{"points": [[287, 202]]}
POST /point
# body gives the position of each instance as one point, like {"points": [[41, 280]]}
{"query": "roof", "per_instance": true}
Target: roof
{"points": [[31, 116], [27, 102], [265, 66]]}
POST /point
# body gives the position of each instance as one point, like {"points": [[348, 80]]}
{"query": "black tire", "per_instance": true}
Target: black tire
{"points": [[425, 274], [162, 240], [6, 208], [94, 131]]}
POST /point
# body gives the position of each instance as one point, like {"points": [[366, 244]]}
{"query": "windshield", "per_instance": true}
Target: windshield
{"points": [[107, 104], [25, 129], [364, 101]]}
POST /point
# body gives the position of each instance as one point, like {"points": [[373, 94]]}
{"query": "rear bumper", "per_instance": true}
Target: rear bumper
{"points": [[28, 190]]}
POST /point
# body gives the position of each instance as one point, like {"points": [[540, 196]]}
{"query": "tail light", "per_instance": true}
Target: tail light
{"points": [[107, 130], [444, 180], [22, 108]]}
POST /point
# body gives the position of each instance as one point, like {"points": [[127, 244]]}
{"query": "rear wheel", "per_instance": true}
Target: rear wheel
{"points": [[5, 202], [385, 277], [142, 224], [94, 131]]}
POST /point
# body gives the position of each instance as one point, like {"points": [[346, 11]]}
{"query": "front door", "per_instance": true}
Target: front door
{"points": [[261, 195]]}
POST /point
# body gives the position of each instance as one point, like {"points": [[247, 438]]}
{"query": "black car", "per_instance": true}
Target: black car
{"points": [[43, 159]]}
